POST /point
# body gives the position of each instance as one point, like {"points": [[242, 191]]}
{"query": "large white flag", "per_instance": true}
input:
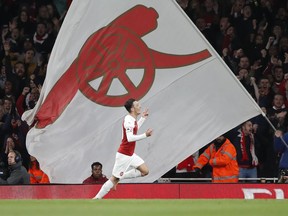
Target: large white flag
{"points": [[108, 51]]}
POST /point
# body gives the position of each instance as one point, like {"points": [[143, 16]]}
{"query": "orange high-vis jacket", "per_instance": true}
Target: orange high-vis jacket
{"points": [[223, 162], [37, 176]]}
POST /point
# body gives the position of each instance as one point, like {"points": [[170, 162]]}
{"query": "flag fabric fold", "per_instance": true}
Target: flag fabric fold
{"points": [[109, 51]]}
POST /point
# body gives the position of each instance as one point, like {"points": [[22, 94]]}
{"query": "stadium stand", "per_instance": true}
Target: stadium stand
{"points": [[250, 35]]}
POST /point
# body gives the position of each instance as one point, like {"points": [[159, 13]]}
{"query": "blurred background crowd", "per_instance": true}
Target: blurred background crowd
{"points": [[251, 36]]}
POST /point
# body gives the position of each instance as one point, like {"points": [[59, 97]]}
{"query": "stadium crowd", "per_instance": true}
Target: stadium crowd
{"points": [[250, 35]]}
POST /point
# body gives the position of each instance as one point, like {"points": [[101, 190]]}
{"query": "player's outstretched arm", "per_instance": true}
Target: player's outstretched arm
{"points": [[132, 137]]}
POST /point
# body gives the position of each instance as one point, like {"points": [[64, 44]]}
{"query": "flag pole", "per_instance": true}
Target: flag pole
{"points": [[273, 127]]}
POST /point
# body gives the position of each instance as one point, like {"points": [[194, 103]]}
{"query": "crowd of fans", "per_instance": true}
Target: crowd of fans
{"points": [[28, 32], [250, 35]]}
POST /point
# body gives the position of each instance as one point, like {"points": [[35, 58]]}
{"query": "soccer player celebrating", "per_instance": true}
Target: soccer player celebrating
{"points": [[127, 163]]}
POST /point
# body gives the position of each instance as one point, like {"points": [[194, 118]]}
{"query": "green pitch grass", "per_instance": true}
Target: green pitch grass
{"points": [[143, 207]]}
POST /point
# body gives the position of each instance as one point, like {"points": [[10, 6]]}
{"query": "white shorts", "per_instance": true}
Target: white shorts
{"points": [[123, 163]]}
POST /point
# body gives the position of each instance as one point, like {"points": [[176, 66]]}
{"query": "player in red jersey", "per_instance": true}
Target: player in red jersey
{"points": [[127, 163]]}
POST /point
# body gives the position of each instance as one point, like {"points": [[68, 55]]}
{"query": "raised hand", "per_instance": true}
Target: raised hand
{"points": [[149, 132], [145, 113]]}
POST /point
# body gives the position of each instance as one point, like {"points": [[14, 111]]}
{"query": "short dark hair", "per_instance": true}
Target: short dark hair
{"points": [[30, 49], [19, 62], [96, 164], [129, 104], [276, 67], [41, 23]]}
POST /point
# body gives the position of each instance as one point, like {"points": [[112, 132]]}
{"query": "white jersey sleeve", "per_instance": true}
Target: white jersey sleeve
{"points": [[129, 124]]}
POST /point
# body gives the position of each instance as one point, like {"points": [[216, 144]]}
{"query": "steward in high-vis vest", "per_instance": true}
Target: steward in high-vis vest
{"points": [[221, 155]]}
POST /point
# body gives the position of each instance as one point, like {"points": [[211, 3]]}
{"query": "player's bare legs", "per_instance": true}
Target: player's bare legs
{"points": [[107, 186], [115, 181], [143, 169], [125, 157]]}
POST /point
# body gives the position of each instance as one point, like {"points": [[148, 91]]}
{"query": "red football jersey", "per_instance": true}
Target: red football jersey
{"points": [[129, 125]]}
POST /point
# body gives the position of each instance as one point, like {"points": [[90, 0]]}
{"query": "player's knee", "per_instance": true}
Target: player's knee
{"points": [[145, 172]]}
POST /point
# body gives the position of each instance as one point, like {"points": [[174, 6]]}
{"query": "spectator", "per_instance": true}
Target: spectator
{"points": [[230, 40], [236, 9], [278, 113], [2, 134], [282, 149], [18, 174], [24, 23], [210, 13], [3, 78], [277, 33], [20, 104], [262, 28], [18, 76], [193, 9], [248, 82], [244, 63], [273, 61], [43, 41], [14, 127], [97, 177], [6, 117], [29, 61], [41, 69], [245, 148], [266, 95], [15, 43], [221, 155], [224, 23], [245, 27], [257, 45], [278, 85], [28, 99], [27, 43], [281, 18], [37, 176], [54, 19], [283, 50], [207, 32], [12, 144], [232, 57], [8, 91], [263, 146], [43, 15]]}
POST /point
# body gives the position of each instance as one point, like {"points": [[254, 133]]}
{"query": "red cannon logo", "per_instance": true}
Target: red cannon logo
{"points": [[107, 54]]}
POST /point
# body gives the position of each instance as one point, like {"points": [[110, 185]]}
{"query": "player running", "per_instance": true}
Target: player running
{"points": [[127, 163]]}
